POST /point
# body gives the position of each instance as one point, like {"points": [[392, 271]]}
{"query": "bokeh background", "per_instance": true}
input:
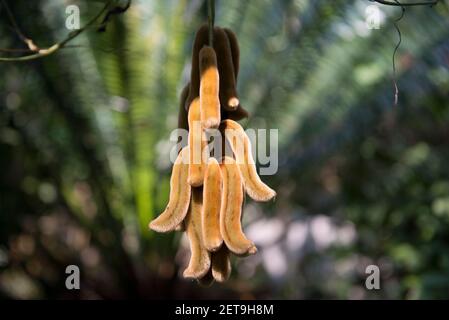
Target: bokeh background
{"points": [[84, 150]]}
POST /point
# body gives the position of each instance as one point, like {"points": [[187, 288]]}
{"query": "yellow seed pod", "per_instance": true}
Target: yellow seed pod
{"points": [[241, 146], [199, 263], [231, 210], [209, 89], [179, 198], [180, 227], [228, 91], [197, 146], [201, 39], [211, 206]]}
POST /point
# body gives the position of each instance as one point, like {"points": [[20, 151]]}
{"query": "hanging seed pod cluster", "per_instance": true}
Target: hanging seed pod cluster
{"points": [[207, 193]]}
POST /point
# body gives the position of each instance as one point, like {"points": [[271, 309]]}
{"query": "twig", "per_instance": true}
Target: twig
{"points": [[395, 23], [13, 21], [114, 11], [55, 47], [29, 42], [420, 3], [14, 50]]}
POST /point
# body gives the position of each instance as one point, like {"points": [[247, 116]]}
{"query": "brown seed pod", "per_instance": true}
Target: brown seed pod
{"points": [[236, 115], [200, 258], [211, 206], [201, 39], [241, 146], [221, 264], [183, 122], [231, 210], [235, 51], [209, 89], [228, 92], [179, 199], [208, 280], [197, 146], [239, 113]]}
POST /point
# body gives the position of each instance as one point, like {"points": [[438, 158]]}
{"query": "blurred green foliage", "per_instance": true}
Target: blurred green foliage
{"points": [[84, 150]]}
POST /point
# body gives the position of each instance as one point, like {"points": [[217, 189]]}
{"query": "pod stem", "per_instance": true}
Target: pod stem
{"points": [[211, 20]]}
